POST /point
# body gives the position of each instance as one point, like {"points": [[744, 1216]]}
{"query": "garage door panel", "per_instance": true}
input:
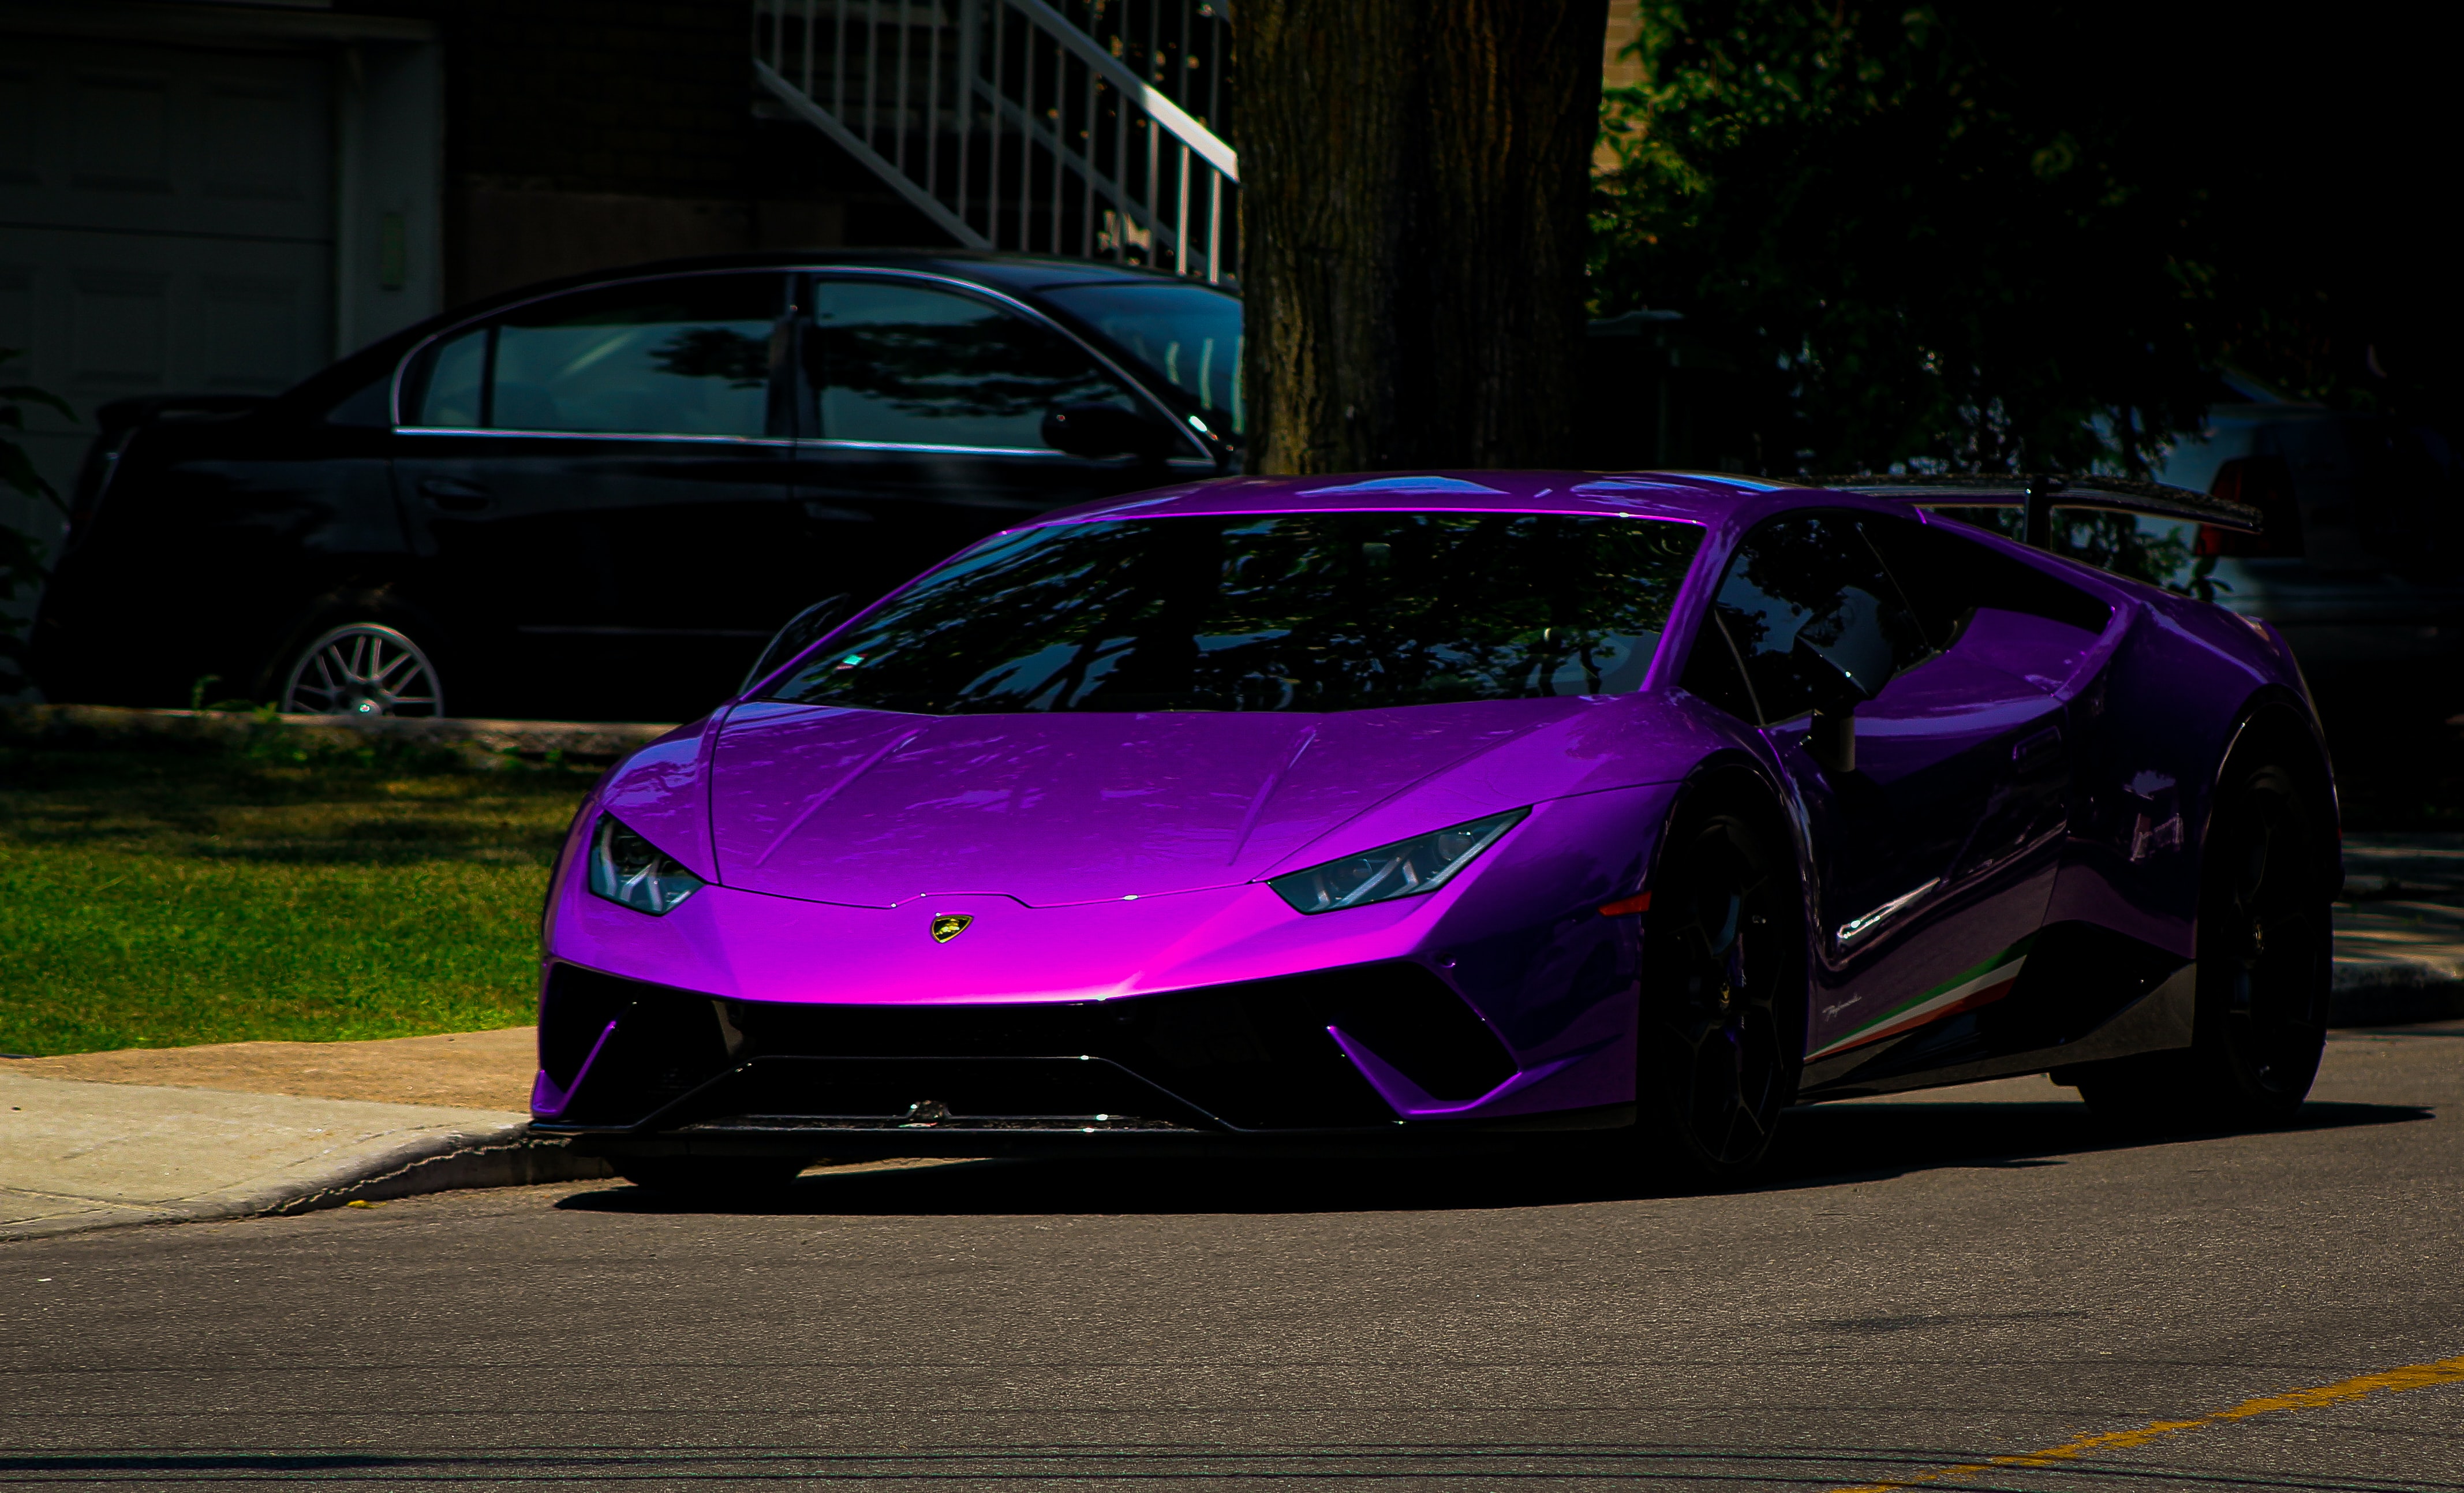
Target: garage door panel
{"points": [[17, 126], [120, 134], [113, 314], [162, 141], [119, 329]]}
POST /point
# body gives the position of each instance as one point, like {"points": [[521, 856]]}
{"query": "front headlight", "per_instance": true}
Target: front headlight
{"points": [[1407, 868], [627, 868]]}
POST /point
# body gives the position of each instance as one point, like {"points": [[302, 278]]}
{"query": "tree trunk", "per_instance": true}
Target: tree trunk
{"points": [[1415, 189]]}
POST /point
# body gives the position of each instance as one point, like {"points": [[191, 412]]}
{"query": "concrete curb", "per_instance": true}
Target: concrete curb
{"points": [[509, 1157], [2394, 992], [498, 1156]]}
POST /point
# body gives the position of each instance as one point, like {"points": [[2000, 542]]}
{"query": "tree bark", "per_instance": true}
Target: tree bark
{"points": [[1414, 190]]}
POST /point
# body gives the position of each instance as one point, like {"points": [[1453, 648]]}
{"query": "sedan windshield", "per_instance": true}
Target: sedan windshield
{"points": [[1279, 612], [1186, 335]]}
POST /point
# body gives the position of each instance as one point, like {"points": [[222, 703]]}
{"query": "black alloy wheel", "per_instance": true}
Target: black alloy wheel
{"points": [[2265, 966], [1721, 1036], [2265, 956]]}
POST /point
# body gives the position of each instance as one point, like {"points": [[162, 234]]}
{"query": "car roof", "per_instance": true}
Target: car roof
{"points": [[1706, 498], [1017, 271], [1021, 274]]}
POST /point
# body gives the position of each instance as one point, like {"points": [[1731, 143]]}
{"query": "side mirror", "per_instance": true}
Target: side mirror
{"points": [[802, 630], [1095, 431], [1839, 679]]}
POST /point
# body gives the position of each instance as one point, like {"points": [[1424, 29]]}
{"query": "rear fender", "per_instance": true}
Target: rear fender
{"points": [[2278, 722]]}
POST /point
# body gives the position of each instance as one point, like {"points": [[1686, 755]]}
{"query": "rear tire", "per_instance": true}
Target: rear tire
{"points": [[2264, 970], [1721, 1036], [710, 1178]]}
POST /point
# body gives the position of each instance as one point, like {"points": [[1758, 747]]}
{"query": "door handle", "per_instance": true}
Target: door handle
{"points": [[2036, 749], [460, 495]]}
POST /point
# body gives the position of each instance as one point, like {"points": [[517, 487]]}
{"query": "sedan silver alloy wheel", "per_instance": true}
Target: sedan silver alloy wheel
{"points": [[363, 668]]}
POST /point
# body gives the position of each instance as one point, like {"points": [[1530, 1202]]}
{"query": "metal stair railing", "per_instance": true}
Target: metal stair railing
{"points": [[1078, 127]]}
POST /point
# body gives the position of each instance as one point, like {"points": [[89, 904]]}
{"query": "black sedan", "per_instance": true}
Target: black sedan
{"points": [[597, 497]]}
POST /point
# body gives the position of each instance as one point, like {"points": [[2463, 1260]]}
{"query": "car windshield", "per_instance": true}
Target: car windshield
{"points": [[1186, 335], [1267, 612]]}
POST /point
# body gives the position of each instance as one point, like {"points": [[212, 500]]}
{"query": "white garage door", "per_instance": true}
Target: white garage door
{"points": [[167, 224]]}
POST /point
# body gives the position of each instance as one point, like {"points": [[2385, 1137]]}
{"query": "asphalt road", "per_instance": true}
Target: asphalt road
{"points": [[1920, 1288]]}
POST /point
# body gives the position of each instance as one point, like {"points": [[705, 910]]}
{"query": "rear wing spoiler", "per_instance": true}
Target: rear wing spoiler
{"points": [[2039, 496]]}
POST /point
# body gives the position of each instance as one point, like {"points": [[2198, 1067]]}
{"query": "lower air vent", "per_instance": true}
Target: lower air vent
{"points": [[1405, 1014]]}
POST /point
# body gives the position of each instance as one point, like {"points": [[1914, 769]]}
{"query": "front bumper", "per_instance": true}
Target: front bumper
{"points": [[632, 1069]]}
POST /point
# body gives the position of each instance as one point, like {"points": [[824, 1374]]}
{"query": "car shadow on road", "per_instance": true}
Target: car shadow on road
{"points": [[1833, 1144], [1823, 1146]]}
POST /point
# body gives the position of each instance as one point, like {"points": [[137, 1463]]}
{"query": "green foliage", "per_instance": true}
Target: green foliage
{"points": [[1935, 232], [194, 893]]}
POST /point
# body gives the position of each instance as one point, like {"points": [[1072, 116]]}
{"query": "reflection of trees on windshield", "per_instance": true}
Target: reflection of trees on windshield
{"points": [[1318, 611]]}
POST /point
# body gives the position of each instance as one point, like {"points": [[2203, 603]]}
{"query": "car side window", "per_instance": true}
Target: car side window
{"points": [[1947, 576], [1715, 672], [1803, 582], [686, 356], [1935, 572], [444, 387], [910, 366]]}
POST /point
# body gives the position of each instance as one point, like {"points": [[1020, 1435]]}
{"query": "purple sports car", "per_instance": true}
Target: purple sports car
{"points": [[1408, 811]]}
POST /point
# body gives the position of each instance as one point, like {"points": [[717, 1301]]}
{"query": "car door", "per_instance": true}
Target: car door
{"points": [[601, 481], [1934, 856], [924, 415]]}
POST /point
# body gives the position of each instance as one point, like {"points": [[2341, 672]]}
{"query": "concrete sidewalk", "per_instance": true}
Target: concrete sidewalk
{"points": [[230, 1131], [235, 1129], [81, 1155], [2400, 930]]}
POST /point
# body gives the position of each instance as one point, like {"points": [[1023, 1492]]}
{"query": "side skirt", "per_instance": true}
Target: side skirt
{"points": [[2087, 994]]}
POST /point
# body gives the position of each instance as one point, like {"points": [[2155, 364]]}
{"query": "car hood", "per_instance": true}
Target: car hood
{"points": [[871, 809]]}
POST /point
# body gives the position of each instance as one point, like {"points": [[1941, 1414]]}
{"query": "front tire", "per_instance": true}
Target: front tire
{"points": [[1722, 1032]]}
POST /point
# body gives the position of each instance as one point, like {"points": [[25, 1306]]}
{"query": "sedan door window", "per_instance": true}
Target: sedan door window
{"points": [[906, 364], [1187, 335], [686, 356], [448, 383]]}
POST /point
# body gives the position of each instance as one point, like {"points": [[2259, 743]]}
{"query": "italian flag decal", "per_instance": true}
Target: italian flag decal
{"points": [[1977, 985]]}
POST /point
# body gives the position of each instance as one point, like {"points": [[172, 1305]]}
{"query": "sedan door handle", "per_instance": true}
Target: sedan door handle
{"points": [[458, 493]]}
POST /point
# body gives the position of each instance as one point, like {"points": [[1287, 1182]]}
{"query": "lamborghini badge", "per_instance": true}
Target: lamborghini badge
{"points": [[949, 926]]}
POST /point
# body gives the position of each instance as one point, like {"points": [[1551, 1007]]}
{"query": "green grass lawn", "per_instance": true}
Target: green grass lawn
{"points": [[163, 898]]}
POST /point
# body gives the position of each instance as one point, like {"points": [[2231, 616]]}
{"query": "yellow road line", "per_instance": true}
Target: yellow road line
{"points": [[2395, 1381]]}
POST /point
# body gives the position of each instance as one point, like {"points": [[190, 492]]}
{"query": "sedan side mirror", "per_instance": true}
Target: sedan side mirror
{"points": [[802, 630], [1095, 431]]}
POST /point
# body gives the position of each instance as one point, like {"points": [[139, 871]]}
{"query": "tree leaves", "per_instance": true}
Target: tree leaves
{"points": [[1932, 245]]}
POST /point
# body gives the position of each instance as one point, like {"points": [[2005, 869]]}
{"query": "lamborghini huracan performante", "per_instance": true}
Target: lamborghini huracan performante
{"points": [[1360, 813]]}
